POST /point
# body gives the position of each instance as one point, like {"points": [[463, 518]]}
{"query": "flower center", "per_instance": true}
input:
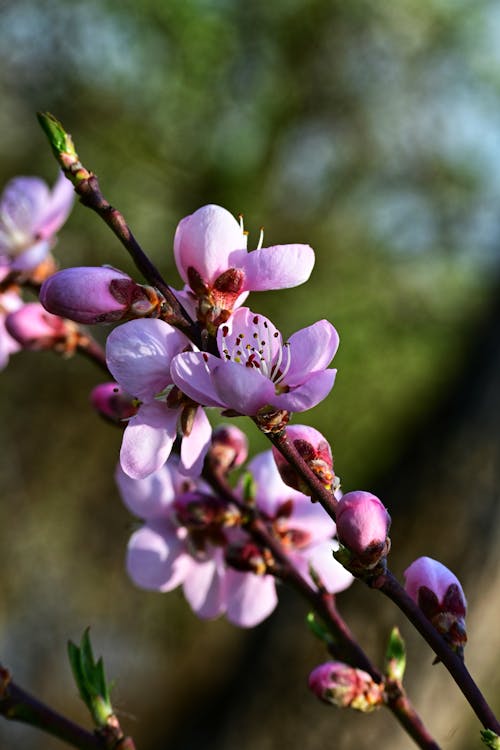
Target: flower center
{"points": [[258, 347]]}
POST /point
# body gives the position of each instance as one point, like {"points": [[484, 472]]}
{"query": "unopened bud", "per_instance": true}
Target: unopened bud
{"points": [[316, 452], [97, 295], [438, 593], [229, 448], [112, 402], [345, 687], [362, 526], [35, 328]]}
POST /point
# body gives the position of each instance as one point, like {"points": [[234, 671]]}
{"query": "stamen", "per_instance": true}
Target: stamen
{"points": [[284, 348], [261, 238]]}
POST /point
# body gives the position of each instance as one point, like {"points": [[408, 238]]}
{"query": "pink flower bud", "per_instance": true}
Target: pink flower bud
{"points": [[345, 687], [35, 328], [229, 448], [362, 526], [112, 402], [438, 593], [316, 452], [96, 295]]}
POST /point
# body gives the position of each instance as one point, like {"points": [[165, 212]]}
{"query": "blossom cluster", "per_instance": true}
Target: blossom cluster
{"points": [[196, 532]]}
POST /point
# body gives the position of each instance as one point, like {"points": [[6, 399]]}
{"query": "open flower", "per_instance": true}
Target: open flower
{"points": [[139, 354], [211, 256], [30, 216], [182, 542], [256, 369], [303, 527]]}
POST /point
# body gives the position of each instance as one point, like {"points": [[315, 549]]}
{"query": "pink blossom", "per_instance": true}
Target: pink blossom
{"points": [[256, 369], [182, 542], [112, 402], [30, 216], [228, 449], [303, 527], [35, 328], [314, 448], [434, 576], [95, 295], [9, 302], [139, 354], [346, 687], [211, 256], [440, 596], [362, 526]]}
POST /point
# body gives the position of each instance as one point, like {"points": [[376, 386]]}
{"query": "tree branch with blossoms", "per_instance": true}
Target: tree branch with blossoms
{"points": [[224, 530]]}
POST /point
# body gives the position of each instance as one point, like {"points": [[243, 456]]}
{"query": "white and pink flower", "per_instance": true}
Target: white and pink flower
{"points": [[256, 369], [139, 354], [30, 216], [210, 250]]}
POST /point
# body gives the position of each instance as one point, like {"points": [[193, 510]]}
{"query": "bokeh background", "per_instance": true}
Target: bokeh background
{"points": [[368, 129]]}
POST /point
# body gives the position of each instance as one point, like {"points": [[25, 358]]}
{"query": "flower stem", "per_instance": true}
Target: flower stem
{"points": [[344, 645]]}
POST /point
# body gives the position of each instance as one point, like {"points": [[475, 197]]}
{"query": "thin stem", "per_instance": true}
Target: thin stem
{"points": [[18, 705], [345, 645], [389, 586]]}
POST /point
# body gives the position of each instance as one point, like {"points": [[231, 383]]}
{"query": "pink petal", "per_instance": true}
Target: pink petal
{"points": [[241, 388], [195, 445], [32, 257], [156, 558], [57, 208], [307, 395], [148, 439], [335, 577], [271, 491], [21, 203], [277, 267], [250, 598], [192, 373], [204, 588], [139, 354], [204, 240], [310, 518], [147, 498], [311, 349]]}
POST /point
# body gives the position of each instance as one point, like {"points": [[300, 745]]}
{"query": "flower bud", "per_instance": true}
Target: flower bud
{"points": [[345, 687], [35, 328], [438, 593], [113, 403], [362, 526], [229, 448], [97, 295], [316, 452]]}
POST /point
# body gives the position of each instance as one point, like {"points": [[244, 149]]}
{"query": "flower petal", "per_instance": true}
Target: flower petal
{"points": [[55, 211], [32, 257], [192, 373], [156, 558], [204, 240], [149, 497], [250, 598], [194, 446], [311, 349], [148, 439], [307, 395], [277, 267], [271, 491], [204, 588], [139, 354], [320, 556], [242, 388]]}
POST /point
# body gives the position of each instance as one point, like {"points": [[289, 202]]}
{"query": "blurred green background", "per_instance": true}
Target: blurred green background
{"points": [[370, 130]]}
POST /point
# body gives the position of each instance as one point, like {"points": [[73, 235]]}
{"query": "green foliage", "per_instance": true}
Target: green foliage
{"points": [[90, 680], [490, 739], [395, 656]]}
